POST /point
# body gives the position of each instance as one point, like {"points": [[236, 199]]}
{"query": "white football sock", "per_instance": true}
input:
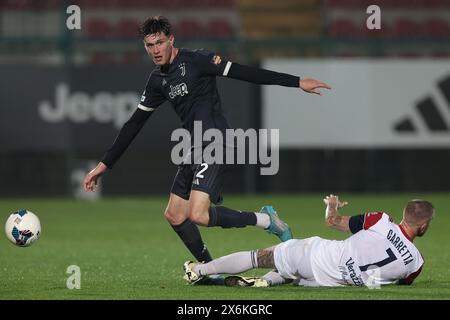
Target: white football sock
{"points": [[262, 220], [233, 263], [274, 278]]}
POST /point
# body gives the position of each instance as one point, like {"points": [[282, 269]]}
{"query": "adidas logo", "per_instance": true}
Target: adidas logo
{"points": [[164, 82], [429, 112], [196, 182]]}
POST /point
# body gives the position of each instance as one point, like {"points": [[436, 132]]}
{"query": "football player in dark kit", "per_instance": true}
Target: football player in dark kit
{"points": [[187, 79]]}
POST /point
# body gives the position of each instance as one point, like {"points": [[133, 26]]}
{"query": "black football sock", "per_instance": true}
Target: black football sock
{"points": [[229, 218], [190, 235]]}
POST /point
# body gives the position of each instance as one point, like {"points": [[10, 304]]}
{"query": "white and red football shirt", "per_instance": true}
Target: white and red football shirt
{"points": [[378, 253]]}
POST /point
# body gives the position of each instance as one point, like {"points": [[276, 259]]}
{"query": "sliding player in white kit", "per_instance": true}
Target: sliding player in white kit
{"points": [[379, 252]]}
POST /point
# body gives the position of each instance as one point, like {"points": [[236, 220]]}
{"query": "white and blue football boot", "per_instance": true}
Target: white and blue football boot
{"points": [[277, 226]]}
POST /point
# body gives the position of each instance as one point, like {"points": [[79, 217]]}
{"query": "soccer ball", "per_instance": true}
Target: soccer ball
{"points": [[23, 228]]}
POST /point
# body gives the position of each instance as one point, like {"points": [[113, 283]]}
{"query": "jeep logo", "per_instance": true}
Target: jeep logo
{"points": [[80, 107]]}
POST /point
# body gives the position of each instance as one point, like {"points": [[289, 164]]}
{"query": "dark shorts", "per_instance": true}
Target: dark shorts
{"points": [[201, 177]]}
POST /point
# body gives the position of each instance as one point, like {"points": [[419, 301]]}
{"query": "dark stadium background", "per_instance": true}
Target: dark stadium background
{"points": [[38, 52]]}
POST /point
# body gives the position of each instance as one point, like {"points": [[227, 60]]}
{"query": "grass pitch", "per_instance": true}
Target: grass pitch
{"points": [[126, 249]]}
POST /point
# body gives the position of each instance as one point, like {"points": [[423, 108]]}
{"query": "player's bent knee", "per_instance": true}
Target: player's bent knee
{"points": [[199, 217], [173, 218]]}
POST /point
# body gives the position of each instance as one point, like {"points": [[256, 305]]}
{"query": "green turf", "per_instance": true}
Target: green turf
{"points": [[126, 249]]}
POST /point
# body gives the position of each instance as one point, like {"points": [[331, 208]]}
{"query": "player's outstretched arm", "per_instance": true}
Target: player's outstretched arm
{"points": [[332, 217], [268, 77]]}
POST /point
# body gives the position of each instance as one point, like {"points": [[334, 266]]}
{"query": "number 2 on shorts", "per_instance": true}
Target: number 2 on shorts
{"points": [[199, 174]]}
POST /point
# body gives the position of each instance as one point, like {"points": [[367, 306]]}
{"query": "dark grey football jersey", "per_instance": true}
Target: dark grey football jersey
{"points": [[189, 84]]}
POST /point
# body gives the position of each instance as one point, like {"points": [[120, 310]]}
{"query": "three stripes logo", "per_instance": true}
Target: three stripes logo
{"points": [[429, 112]]}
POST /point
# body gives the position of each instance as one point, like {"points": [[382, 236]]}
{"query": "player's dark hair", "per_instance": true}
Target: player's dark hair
{"points": [[418, 211], [155, 24]]}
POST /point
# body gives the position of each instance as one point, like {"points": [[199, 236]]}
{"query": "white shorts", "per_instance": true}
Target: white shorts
{"points": [[293, 259]]}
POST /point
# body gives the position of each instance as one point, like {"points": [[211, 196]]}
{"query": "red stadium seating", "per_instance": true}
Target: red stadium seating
{"points": [[436, 3], [102, 58], [220, 27], [98, 28], [405, 27], [436, 27], [132, 57], [440, 54], [141, 3], [17, 4], [409, 55], [189, 28], [97, 3], [343, 28], [172, 4], [407, 4], [341, 3], [127, 28]]}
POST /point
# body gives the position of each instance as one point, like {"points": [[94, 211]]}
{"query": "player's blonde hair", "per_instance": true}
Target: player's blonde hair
{"points": [[418, 211]]}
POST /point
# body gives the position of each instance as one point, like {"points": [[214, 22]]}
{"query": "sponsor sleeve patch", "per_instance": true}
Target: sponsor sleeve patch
{"points": [[371, 218], [216, 60]]}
